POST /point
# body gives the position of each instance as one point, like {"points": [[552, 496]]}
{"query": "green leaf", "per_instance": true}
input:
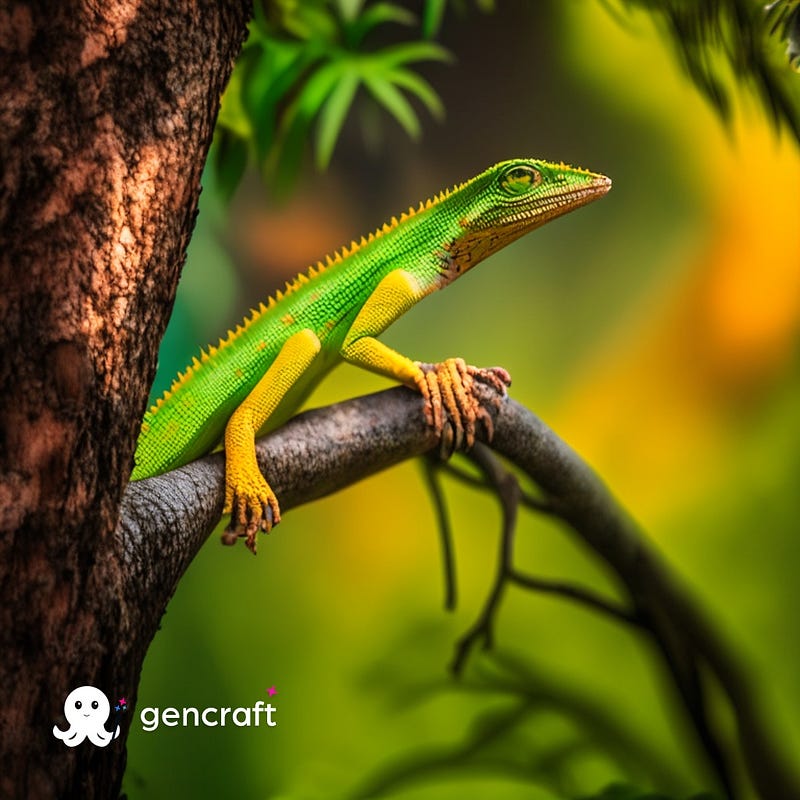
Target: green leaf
{"points": [[432, 16], [280, 75], [311, 21], [259, 26], [623, 791], [332, 116], [230, 162], [285, 160], [620, 791], [299, 73], [232, 113], [316, 89], [349, 9], [375, 15], [393, 101], [257, 76], [418, 86], [412, 51]]}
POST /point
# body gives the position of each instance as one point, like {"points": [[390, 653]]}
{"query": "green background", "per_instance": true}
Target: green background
{"points": [[655, 331]]}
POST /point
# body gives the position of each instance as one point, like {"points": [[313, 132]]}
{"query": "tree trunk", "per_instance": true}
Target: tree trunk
{"points": [[106, 117]]}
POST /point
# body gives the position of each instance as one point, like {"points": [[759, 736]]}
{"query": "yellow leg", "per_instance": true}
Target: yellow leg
{"points": [[445, 387], [392, 297], [248, 497]]}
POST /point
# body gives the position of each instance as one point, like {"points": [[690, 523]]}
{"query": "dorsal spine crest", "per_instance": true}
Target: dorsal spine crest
{"points": [[302, 278]]}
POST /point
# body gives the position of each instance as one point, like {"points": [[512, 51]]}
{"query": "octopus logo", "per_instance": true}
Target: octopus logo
{"points": [[87, 710]]}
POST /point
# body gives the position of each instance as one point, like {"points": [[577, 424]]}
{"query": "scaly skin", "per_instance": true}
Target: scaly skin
{"points": [[261, 373]]}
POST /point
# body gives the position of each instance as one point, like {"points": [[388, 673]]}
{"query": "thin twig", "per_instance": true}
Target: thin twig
{"points": [[535, 504], [682, 666], [430, 468], [584, 596], [508, 491], [586, 506], [680, 658], [526, 499], [464, 476]]}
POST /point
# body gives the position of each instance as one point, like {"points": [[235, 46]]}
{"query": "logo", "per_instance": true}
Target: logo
{"points": [[87, 710], [212, 717]]}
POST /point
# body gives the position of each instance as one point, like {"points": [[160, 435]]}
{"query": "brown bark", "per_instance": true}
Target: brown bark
{"points": [[106, 117]]}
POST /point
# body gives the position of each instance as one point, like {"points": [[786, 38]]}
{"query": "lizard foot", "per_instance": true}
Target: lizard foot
{"points": [[253, 507], [447, 388]]}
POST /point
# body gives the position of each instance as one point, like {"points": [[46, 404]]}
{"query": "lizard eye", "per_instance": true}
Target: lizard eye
{"points": [[518, 180]]}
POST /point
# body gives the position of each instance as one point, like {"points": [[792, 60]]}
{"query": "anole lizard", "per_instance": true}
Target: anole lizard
{"points": [[261, 373]]}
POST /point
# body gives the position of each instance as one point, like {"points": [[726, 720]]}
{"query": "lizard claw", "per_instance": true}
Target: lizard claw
{"points": [[252, 509], [447, 388]]}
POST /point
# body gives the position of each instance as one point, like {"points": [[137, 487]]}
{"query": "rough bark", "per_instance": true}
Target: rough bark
{"points": [[106, 117]]}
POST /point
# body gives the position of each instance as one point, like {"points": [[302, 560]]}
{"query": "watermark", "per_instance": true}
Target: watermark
{"points": [[87, 710], [241, 717]]}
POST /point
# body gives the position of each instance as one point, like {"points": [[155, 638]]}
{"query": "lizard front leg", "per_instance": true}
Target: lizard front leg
{"points": [[248, 497], [446, 387]]}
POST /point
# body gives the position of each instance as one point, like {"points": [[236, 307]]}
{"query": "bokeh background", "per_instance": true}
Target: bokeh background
{"points": [[655, 331]]}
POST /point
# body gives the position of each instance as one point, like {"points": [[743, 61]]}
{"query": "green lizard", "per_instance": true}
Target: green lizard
{"points": [[262, 372]]}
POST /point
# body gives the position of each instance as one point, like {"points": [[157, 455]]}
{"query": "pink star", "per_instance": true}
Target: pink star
{"points": [[123, 701], [272, 691]]}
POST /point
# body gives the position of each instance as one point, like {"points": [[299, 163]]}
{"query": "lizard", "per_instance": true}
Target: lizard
{"points": [[262, 372]]}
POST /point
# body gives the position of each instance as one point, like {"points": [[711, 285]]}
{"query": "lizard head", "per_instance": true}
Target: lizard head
{"points": [[525, 193], [514, 197]]}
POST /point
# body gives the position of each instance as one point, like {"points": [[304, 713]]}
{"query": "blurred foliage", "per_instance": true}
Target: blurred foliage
{"points": [[503, 739], [619, 791], [433, 12], [305, 62], [784, 19], [302, 66], [733, 33]]}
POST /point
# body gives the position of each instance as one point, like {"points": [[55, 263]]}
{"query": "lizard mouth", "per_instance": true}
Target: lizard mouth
{"points": [[485, 236], [532, 215], [559, 203]]}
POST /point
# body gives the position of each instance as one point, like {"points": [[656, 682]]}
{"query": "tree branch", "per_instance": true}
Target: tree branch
{"points": [[508, 492], [324, 450], [431, 468], [658, 595], [583, 596]]}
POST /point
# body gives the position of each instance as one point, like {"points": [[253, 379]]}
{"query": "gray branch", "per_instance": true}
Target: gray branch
{"points": [[165, 520]]}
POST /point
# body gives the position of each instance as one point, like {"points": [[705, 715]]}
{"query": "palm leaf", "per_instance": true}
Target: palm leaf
{"points": [[419, 87], [377, 14], [394, 102], [332, 116]]}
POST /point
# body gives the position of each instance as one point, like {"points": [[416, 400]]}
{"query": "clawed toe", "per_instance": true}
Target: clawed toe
{"points": [[451, 407], [250, 513]]}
